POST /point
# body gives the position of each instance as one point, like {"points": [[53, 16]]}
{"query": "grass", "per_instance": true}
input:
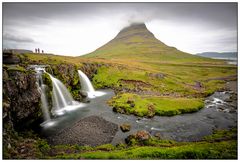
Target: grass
{"points": [[140, 44], [130, 67], [209, 148], [153, 105], [178, 81], [221, 150], [222, 144]]}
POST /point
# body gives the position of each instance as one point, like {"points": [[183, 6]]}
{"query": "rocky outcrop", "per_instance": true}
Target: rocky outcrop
{"points": [[90, 69], [68, 74], [21, 109], [21, 98], [10, 58]]}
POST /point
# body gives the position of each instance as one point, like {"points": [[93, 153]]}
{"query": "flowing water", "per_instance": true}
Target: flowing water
{"points": [[86, 86], [186, 127], [220, 112], [62, 100], [42, 88]]}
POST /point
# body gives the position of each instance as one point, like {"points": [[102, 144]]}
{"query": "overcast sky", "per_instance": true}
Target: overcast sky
{"points": [[79, 28]]}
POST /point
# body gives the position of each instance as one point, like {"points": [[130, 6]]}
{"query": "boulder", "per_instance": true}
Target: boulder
{"points": [[125, 127], [139, 136], [158, 135]]}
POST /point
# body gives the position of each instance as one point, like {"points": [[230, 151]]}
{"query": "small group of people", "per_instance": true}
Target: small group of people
{"points": [[37, 50]]}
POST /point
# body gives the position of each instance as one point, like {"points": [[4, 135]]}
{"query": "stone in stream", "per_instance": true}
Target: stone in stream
{"points": [[125, 127], [158, 135], [139, 136]]}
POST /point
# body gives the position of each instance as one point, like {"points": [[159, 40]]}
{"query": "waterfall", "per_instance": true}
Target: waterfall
{"points": [[42, 89], [86, 86], [62, 99]]}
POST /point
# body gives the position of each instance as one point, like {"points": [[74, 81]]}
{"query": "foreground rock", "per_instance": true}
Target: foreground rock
{"points": [[125, 127], [139, 136], [21, 98], [90, 131]]}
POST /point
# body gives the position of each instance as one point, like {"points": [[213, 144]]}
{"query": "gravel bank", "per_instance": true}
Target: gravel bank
{"points": [[90, 131]]}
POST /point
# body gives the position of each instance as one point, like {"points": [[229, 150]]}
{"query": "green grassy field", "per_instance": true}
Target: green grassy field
{"points": [[153, 105], [143, 88], [183, 85], [221, 145]]}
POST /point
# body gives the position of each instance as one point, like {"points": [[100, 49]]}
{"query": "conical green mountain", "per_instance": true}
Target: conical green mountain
{"points": [[138, 43]]}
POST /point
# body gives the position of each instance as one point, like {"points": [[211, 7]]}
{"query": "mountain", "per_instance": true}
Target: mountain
{"points": [[217, 55], [136, 42]]}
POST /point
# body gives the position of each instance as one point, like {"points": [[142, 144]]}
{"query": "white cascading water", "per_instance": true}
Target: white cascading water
{"points": [[62, 99], [86, 86], [42, 89]]}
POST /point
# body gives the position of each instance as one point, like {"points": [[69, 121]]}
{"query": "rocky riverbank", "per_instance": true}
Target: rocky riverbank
{"points": [[90, 131]]}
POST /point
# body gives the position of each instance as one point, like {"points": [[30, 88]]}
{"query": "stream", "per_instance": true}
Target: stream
{"points": [[220, 112]]}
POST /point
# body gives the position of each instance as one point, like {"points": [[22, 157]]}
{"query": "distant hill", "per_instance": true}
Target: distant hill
{"points": [[17, 51], [136, 42], [217, 55]]}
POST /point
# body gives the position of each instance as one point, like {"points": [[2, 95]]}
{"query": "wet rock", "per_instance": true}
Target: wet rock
{"points": [[232, 111], [139, 136], [125, 127], [158, 135], [21, 98], [84, 94], [119, 110], [228, 100]]}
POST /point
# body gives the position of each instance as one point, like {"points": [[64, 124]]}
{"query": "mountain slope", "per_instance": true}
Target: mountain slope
{"points": [[138, 43]]}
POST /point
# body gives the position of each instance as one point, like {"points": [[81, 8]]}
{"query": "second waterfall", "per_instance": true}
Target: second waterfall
{"points": [[87, 87]]}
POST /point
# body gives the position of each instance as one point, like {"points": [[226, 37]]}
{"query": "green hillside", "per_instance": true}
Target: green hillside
{"points": [[137, 43]]}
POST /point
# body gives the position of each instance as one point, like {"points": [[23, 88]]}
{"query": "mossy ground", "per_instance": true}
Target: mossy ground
{"points": [[221, 145], [185, 83], [150, 106], [176, 92]]}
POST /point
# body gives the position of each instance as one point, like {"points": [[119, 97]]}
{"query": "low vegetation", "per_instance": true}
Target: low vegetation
{"points": [[149, 105], [144, 88], [159, 88], [149, 78], [221, 145]]}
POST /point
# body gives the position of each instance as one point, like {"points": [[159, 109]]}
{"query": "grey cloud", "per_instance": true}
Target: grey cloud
{"points": [[15, 38], [32, 16], [223, 14]]}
